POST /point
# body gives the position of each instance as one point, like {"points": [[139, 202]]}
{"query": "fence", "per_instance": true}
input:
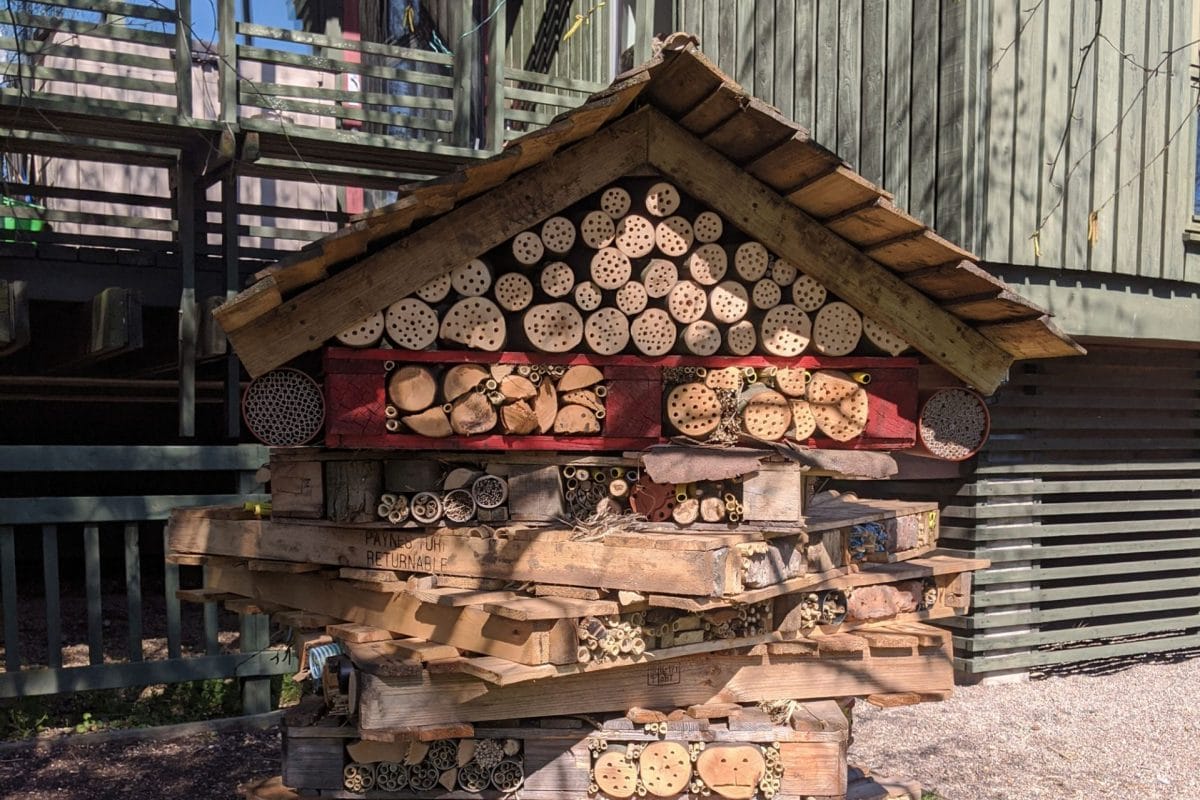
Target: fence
{"points": [[93, 526]]}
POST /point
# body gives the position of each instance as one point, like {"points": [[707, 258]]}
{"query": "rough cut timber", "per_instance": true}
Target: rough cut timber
{"points": [[801, 194]]}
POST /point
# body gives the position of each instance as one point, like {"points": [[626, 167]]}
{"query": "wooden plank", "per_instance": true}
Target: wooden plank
{"points": [[50, 585], [834, 193], [1000, 307], [897, 117], [547, 608], [95, 613], [755, 129], [843, 270], [466, 628], [8, 594], [330, 307], [873, 135], [923, 102], [696, 680], [849, 81], [954, 280], [872, 222], [1102, 150], [713, 111], [352, 632]]}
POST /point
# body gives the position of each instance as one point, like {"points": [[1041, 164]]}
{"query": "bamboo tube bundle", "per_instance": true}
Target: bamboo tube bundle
{"points": [[432, 422], [461, 379], [558, 235], [553, 327], [436, 290], [729, 379], [783, 272], [475, 322], [615, 202], [527, 248], [598, 229], [425, 507], [839, 405], [662, 199], [751, 260], [786, 331], [954, 423], [836, 329], [365, 333], [610, 268], [702, 338], [473, 414], [766, 414], [472, 279], [635, 236], [411, 324], [729, 302], [674, 236], [653, 333], [632, 298], [883, 339], [412, 388], [741, 338], [514, 292], [607, 331], [659, 277], [458, 505], [792, 381], [588, 296], [804, 424], [687, 302], [707, 264], [693, 409], [766, 294], [573, 419], [283, 408], [489, 491], [807, 294], [708, 227], [557, 279]]}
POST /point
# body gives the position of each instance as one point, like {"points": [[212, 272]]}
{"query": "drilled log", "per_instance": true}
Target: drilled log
{"points": [[707, 264], [785, 331], [673, 236], [574, 420], [557, 279], [475, 322], [514, 292], [836, 329], [693, 409], [728, 302], [558, 235], [553, 327], [597, 230], [411, 324], [364, 333], [708, 226], [653, 333]]}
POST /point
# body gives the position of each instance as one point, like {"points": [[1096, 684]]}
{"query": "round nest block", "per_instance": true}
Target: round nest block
{"points": [[839, 405], [283, 408], [693, 409]]}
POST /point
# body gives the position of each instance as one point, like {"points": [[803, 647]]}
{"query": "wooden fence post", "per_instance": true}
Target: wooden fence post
{"points": [[255, 638], [183, 59], [227, 66], [497, 39], [466, 60]]}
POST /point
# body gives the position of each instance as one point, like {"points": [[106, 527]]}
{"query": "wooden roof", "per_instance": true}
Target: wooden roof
{"points": [[680, 115]]}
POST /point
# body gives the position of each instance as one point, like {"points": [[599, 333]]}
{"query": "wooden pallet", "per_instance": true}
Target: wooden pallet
{"points": [[708, 564], [355, 398]]}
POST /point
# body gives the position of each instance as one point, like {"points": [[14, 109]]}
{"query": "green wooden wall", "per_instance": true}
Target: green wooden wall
{"points": [[536, 30], [959, 109]]}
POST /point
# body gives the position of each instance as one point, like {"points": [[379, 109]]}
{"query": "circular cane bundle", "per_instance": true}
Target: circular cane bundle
{"points": [[588, 296], [527, 248], [708, 226], [513, 291], [693, 409], [954, 424], [791, 382], [558, 234], [751, 260], [786, 331], [597, 230], [702, 338], [610, 268], [364, 333], [436, 290], [607, 331], [472, 279], [283, 408], [631, 298], [411, 324], [615, 202], [728, 378], [558, 279], [674, 236], [882, 338], [836, 329], [783, 272], [489, 491], [804, 424], [662, 199], [807, 294], [707, 264], [766, 413], [729, 301], [475, 322], [458, 506], [653, 332], [635, 236], [766, 294], [687, 302], [741, 338], [554, 327], [659, 277], [838, 403]]}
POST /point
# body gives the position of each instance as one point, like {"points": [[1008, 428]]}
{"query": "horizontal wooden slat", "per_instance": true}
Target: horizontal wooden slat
{"points": [[996, 576], [54, 510], [995, 532], [1089, 610], [1087, 508], [1034, 486], [1065, 656], [131, 458], [339, 66], [337, 42], [1000, 597], [1082, 633], [1124, 546]]}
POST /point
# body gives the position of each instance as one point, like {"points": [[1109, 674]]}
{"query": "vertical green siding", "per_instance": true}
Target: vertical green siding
{"points": [[968, 112], [585, 56]]}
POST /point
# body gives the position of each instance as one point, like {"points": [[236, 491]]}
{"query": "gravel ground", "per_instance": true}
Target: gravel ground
{"points": [[1123, 732]]}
